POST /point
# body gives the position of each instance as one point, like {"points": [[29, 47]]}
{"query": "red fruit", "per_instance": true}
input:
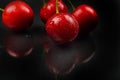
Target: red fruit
{"points": [[19, 46], [62, 28], [18, 15], [50, 9], [86, 17]]}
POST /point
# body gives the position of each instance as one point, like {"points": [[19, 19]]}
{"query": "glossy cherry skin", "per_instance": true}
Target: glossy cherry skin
{"points": [[17, 15], [50, 9], [86, 17], [62, 28], [19, 45]]}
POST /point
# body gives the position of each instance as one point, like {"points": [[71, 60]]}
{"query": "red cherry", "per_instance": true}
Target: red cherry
{"points": [[19, 46], [50, 9], [62, 28], [18, 15], [86, 17]]}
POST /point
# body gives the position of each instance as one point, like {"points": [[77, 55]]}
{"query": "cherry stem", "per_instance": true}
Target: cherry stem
{"points": [[1, 9], [57, 10], [73, 7], [44, 3]]}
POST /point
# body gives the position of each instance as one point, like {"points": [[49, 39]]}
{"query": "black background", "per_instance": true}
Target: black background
{"points": [[105, 65]]}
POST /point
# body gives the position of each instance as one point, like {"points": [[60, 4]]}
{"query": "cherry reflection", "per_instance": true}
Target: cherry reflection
{"points": [[61, 60], [85, 48], [19, 45]]}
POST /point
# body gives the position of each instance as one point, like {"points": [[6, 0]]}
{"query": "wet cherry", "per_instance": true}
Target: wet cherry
{"points": [[62, 28], [86, 17], [17, 15], [50, 9]]}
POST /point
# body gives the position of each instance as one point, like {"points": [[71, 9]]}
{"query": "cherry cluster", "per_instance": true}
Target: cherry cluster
{"points": [[60, 25]]}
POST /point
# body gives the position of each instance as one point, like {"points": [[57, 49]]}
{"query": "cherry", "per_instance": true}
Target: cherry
{"points": [[19, 45], [86, 17], [49, 9], [17, 15], [62, 28]]}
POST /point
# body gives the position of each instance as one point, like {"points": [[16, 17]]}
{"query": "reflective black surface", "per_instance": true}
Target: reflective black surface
{"points": [[95, 57]]}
